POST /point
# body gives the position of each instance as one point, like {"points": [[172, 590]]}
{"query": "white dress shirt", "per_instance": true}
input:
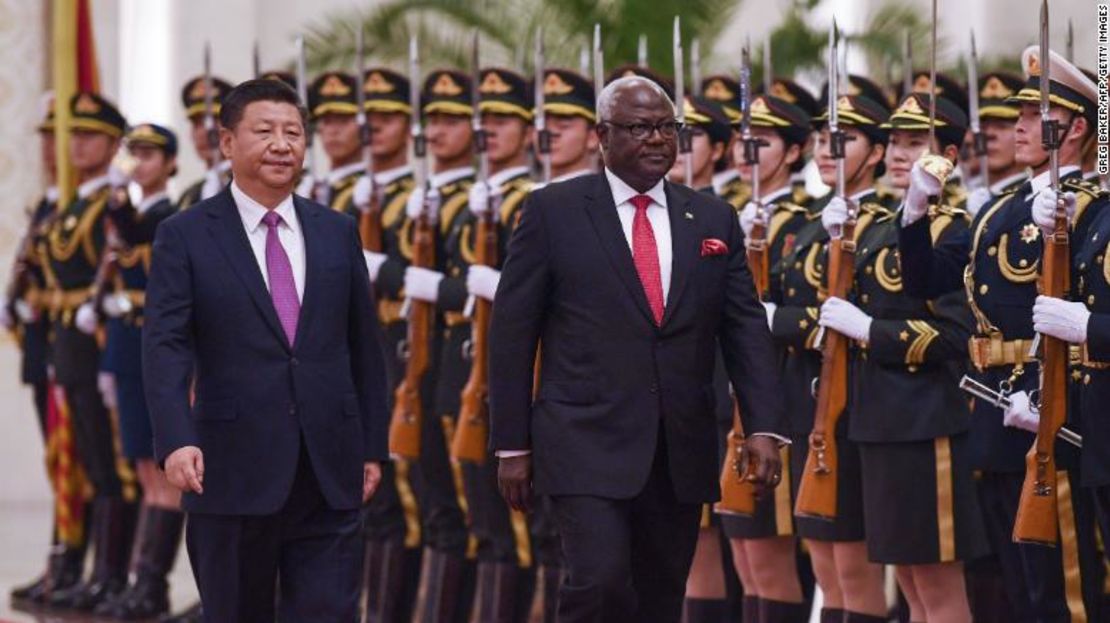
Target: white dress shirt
{"points": [[1040, 182], [289, 233], [149, 201], [997, 187], [90, 187], [657, 216]]}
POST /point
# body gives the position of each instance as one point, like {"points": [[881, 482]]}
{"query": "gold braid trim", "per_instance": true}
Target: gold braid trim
{"points": [[915, 354], [1009, 271], [889, 282]]}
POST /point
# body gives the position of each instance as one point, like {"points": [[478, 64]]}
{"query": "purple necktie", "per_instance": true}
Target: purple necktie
{"points": [[283, 290]]}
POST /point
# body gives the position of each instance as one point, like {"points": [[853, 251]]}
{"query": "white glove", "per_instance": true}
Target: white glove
{"points": [[25, 311], [116, 305], [1065, 320], [307, 186], [212, 183], [374, 263], [479, 198], [117, 178], [770, 308], [414, 206], [482, 281], [922, 186], [361, 194], [1020, 414], [846, 319], [976, 199], [422, 284], [86, 319], [834, 215], [1044, 209], [748, 216], [106, 383]]}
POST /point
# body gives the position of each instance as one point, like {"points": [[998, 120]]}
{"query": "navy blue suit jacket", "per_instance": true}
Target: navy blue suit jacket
{"points": [[210, 321]]}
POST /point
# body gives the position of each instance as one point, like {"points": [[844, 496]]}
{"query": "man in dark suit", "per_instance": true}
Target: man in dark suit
{"points": [[259, 301], [629, 282]]}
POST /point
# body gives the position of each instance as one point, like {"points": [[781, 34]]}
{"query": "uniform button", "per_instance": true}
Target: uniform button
{"points": [[983, 288], [790, 291], [992, 251], [1091, 299], [865, 298], [1083, 266]]}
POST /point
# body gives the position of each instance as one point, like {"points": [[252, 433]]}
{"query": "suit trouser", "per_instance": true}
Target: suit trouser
{"points": [[1041, 588], [627, 560], [312, 550], [76, 365]]}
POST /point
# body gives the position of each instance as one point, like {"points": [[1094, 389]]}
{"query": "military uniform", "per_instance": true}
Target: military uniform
{"points": [[192, 99], [334, 93], [71, 256], [998, 262]]}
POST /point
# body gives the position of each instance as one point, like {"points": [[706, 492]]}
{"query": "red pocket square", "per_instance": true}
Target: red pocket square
{"points": [[713, 246]]}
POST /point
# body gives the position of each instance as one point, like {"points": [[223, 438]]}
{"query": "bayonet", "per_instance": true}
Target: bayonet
{"points": [[1002, 401], [695, 66], [1050, 128], [211, 132], [979, 139], [365, 132], [768, 67], [684, 138], [479, 142], [933, 82], [543, 135], [642, 51], [599, 69], [302, 94], [584, 60], [907, 63], [751, 144], [1070, 48], [256, 60]]}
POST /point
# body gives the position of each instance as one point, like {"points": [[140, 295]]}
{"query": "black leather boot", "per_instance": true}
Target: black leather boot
{"points": [[113, 526], [702, 610], [750, 610], [156, 550], [495, 597], [384, 572], [771, 611], [440, 587], [192, 614], [832, 615], [856, 617]]}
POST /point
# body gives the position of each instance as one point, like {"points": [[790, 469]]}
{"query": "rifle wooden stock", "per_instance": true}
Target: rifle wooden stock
{"points": [[1036, 520], [737, 494], [370, 226], [408, 410], [818, 489], [472, 434]]}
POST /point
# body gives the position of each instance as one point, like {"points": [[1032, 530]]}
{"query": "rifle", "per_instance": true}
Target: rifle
{"points": [[1037, 519], [408, 410], [256, 60], [818, 490], [685, 138], [369, 219], [472, 434], [211, 132], [108, 268], [310, 128]]}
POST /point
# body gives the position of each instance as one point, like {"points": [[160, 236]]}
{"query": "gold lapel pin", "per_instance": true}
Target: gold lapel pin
{"points": [[689, 216]]}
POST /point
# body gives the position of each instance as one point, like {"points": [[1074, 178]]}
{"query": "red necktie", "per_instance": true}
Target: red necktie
{"points": [[645, 256]]}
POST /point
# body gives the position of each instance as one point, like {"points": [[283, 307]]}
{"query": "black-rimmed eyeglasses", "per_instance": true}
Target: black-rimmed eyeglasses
{"points": [[641, 131]]}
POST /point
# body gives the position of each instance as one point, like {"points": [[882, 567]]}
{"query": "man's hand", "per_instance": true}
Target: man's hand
{"points": [[761, 454], [371, 478], [185, 469], [514, 480]]}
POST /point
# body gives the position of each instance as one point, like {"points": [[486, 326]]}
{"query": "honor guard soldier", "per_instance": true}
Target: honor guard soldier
{"points": [[998, 264], [25, 315], [120, 296], [281, 76], [196, 111], [506, 569], [711, 136], [917, 475], [622, 71], [569, 105], [764, 546], [333, 106], [851, 584], [997, 117], [71, 257], [1084, 320], [955, 190], [793, 93], [392, 519], [446, 577], [727, 183]]}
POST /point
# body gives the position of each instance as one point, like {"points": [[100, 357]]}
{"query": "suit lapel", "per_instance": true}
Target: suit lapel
{"points": [[603, 214], [227, 229], [685, 249], [312, 248]]}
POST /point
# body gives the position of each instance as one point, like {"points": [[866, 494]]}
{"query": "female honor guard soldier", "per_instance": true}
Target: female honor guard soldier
{"points": [[917, 476], [216, 170], [154, 149], [998, 264], [851, 584], [71, 257], [764, 546]]}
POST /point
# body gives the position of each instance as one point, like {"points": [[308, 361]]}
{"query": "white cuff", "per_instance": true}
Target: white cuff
{"points": [[783, 441], [510, 454]]}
